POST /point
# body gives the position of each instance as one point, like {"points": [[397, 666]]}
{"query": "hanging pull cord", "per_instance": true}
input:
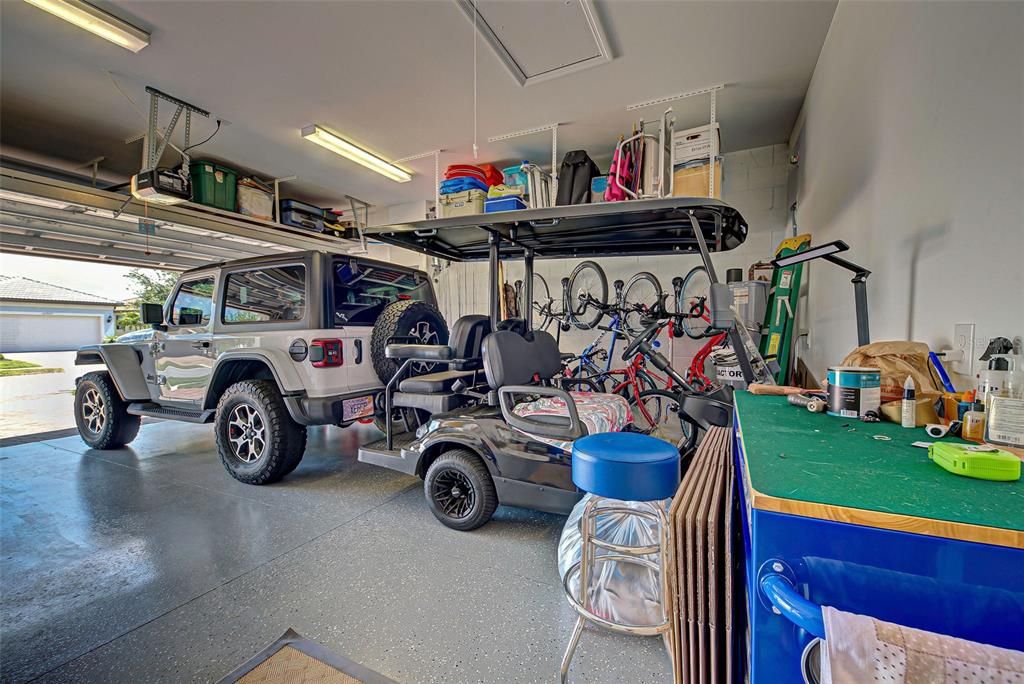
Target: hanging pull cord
{"points": [[476, 148]]}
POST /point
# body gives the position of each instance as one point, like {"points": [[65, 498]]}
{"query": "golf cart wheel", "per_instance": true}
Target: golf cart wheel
{"points": [[408, 321], [101, 415], [257, 440], [460, 491]]}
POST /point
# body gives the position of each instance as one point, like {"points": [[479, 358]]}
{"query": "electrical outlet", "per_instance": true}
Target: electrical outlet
{"points": [[963, 341]]}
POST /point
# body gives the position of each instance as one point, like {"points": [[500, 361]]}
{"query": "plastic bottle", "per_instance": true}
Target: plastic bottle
{"points": [[1001, 368], [908, 415], [1004, 411], [974, 423]]}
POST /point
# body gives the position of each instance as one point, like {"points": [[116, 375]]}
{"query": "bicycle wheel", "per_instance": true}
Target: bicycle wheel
{"points": [[646, 416], [642, 290], [587, 281], [693, 300], [540, 311], [591, 375], [670, 426]]}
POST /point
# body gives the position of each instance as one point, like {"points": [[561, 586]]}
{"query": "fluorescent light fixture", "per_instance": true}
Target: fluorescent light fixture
{"points": [[335, 143], [815, 253], [95, 20]]}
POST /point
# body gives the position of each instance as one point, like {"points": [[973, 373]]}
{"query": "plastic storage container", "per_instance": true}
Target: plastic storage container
{"points": [[514, 175], [503, 204], [691, 179], [213, 185], [255, 199], [463, 203], [302, 215], [462, 184]]}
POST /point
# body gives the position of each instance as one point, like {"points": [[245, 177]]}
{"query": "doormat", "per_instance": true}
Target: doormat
{"points": [[295, 659]]}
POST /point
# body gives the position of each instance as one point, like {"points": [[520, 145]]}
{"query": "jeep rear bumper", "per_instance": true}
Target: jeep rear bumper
{"points": [[328, 410]]}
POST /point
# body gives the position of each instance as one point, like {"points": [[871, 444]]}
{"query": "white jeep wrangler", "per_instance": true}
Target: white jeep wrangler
{"points": [[262, 348]]}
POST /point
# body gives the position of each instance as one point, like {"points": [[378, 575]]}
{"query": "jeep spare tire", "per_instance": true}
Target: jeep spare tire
{"points": [[408, 322]]}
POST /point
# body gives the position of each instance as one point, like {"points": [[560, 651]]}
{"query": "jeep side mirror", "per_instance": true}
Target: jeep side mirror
{"points": [[152, 314]]}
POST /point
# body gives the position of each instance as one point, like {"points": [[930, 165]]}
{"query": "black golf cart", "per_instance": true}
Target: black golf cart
{"points": [[501, 422]]}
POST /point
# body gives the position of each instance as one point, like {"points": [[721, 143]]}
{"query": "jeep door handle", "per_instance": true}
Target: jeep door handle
{"points": [[204, 344]]}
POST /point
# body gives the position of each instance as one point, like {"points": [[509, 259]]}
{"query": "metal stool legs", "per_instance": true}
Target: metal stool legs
{"points": [[622, 554]]}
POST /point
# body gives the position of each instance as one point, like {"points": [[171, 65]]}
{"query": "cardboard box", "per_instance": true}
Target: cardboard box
{"points": [[694, 143], [692, 181]]}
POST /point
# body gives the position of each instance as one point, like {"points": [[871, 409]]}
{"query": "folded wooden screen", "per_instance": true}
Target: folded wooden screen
{"points": [[703, 527]]}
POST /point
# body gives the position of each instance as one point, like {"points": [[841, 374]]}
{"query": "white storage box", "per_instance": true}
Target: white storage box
{"points": [[694, 143], [255, 199]]}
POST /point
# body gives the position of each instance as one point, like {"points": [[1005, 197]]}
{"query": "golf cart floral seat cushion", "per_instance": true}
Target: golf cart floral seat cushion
{"points": [[599, 412]]}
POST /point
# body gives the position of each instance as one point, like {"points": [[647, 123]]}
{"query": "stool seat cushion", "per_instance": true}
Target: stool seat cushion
{"points": [[626, 466]]}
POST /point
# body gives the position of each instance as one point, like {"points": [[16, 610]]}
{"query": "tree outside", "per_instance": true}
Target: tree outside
{"points": [[151, 286]]}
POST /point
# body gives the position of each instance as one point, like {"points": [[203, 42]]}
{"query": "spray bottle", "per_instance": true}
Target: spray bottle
{"points": [[908, 417]]}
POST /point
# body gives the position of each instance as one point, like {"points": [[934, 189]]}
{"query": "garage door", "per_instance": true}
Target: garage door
{"points": [[29, 333]]}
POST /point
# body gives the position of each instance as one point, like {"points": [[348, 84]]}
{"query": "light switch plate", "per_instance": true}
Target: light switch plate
{"points": [[963, 340]]}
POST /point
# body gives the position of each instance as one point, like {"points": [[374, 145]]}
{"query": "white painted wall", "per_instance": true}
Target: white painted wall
{"points": [[912, 151], [754, 182]]}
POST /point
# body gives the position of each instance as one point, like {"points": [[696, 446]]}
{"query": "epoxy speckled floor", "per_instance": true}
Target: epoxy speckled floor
{"points": [[152, 564]]}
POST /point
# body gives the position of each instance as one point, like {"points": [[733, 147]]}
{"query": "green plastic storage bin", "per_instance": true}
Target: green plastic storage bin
{"points": [[214, 185]]}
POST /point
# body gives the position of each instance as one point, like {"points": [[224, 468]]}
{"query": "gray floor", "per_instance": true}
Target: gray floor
{"points": [[152, 564]]}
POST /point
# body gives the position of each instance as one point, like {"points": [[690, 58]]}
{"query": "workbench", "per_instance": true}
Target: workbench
{"points": [[833, 516]]}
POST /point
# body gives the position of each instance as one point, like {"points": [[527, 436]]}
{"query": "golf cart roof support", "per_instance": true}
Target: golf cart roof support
{"points": [[528, 289], [494, 251], [705, 256], [734, 337]]}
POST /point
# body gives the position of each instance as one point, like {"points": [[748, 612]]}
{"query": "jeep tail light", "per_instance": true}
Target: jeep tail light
{"points": [[325, 353]]}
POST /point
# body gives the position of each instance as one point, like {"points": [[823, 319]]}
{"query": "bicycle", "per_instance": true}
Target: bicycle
{"points": [[696, 411]]}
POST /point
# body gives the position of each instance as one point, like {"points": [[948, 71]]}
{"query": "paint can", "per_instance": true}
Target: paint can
{"points": [[853, 391]]}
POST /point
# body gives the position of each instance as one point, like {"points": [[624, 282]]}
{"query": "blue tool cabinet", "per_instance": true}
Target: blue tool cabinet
{"points": [[816, 533]]}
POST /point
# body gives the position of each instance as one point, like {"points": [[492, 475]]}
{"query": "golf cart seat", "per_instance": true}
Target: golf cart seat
{"points": [[462, 356], [516, 367]]}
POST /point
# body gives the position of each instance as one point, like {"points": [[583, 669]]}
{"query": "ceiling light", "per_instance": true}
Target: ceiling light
{"points": [[321, 136], [95, 20]]}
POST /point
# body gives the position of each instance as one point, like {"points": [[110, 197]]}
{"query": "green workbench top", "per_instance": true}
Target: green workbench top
{"points": [[792, 454]]}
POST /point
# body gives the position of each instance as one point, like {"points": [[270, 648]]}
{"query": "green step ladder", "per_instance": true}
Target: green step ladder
{"points": [[780, 312]]}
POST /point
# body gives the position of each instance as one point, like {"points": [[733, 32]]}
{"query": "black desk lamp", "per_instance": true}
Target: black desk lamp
{"points": [[828, 252]]}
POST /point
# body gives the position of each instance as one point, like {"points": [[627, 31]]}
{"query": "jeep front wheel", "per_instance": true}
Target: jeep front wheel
{"points": [[101, 414], [257, 440]]}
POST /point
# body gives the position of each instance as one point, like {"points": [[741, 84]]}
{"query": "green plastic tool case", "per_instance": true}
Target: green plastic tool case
{"points": [[958, 459]]}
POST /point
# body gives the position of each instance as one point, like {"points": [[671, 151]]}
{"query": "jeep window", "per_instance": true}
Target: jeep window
{"points": [[362, 290], [267, 294], [193, 303]]}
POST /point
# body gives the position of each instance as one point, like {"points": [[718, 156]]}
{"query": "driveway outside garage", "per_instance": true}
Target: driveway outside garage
{"points": [[150, 564], [39, 403]]}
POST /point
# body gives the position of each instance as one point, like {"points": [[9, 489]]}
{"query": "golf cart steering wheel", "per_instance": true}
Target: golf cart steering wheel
{"points": [[643, 338]]}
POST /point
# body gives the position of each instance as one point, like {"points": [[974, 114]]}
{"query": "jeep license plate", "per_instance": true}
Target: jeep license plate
{"points": [[360, 407]]}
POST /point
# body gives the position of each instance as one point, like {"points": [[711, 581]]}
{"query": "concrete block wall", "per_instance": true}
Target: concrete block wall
{"points": [[754, 181]]}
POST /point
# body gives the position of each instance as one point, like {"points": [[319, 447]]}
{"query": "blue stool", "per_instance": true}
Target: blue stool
{"points": [[623, 466]]}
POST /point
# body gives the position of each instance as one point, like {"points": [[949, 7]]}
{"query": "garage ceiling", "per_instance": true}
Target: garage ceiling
{"points": [[395, 77]]}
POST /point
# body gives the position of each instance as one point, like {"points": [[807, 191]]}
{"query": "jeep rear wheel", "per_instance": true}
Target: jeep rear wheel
{"points": [[101, 415], [405, 321], [257, 440]]}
